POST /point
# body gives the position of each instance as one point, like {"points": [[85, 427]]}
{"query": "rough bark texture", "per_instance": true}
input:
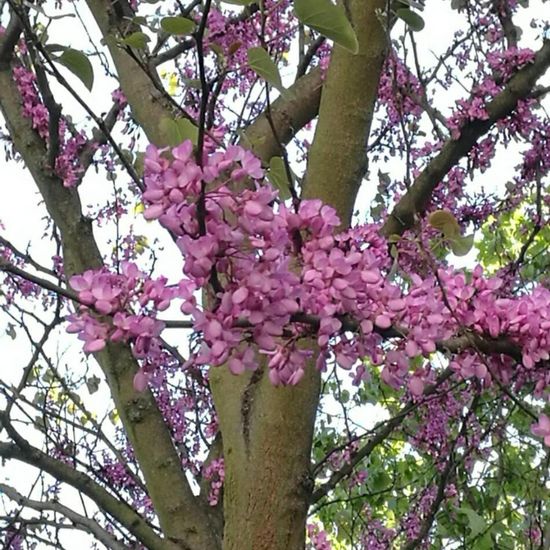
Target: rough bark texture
{"points": [[337, 159], [267, 431], [288, 114]]}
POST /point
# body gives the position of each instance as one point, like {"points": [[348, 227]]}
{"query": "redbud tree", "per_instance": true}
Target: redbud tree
{"points": [[282, 278]]}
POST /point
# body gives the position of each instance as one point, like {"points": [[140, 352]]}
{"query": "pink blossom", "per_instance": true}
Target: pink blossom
{"points": [[542, 428]]}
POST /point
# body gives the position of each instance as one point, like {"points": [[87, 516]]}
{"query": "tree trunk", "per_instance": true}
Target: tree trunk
{"points": [[267, 431]]}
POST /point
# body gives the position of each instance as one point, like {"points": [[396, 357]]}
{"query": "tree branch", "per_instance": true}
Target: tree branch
{"points": [[337, 158], [387, 427], [120, 511], [148, 104], [266, 450], [181, 516], [39, 281], [289, 113], [173, 52], [80, 522], [9, 40], [504, 14], [416, 199], [456, 344], [443, 480]]}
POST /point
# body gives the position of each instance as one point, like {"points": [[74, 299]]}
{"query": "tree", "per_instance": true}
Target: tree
{"points": [[246, 334]]}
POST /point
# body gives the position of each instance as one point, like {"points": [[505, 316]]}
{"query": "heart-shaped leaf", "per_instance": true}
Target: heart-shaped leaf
{"points": [[177, 131], [476, 523], [461, 245], [177, 25], [278, 177], [79, 65], [262, 64], [137, 40], [444, 221], [329, 20], [411, 18]]}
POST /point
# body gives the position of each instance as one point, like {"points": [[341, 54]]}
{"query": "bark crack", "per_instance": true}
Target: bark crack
{"points": [[246, 405]]}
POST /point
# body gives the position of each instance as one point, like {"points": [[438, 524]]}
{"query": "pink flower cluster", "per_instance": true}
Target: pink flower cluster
{"points": [[467, 110], [507, 62], [215, 473], [231, 36], [120, 307], [275, 275], [67, 165], [503, 65], [399, 91], [542, 429], [376, 536], [318, 538]]}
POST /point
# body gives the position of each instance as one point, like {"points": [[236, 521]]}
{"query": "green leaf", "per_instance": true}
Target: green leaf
{"points": [[278, 177], [139, 20], [239, 2], [411, 18], [177, 131], [79, 65], [444, 221], [475, 522], [329, 20], [137, 40], [262, 64], [484, 543], [379, 480], [177, 25], [461, 245], [54, 48]]}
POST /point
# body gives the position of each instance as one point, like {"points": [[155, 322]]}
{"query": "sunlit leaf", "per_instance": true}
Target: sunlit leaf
{"points": [[329, 20], [177, 25], [114, 417]]}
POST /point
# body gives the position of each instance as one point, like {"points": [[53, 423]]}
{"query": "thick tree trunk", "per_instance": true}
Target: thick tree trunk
{"points": [[267, 431]]}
